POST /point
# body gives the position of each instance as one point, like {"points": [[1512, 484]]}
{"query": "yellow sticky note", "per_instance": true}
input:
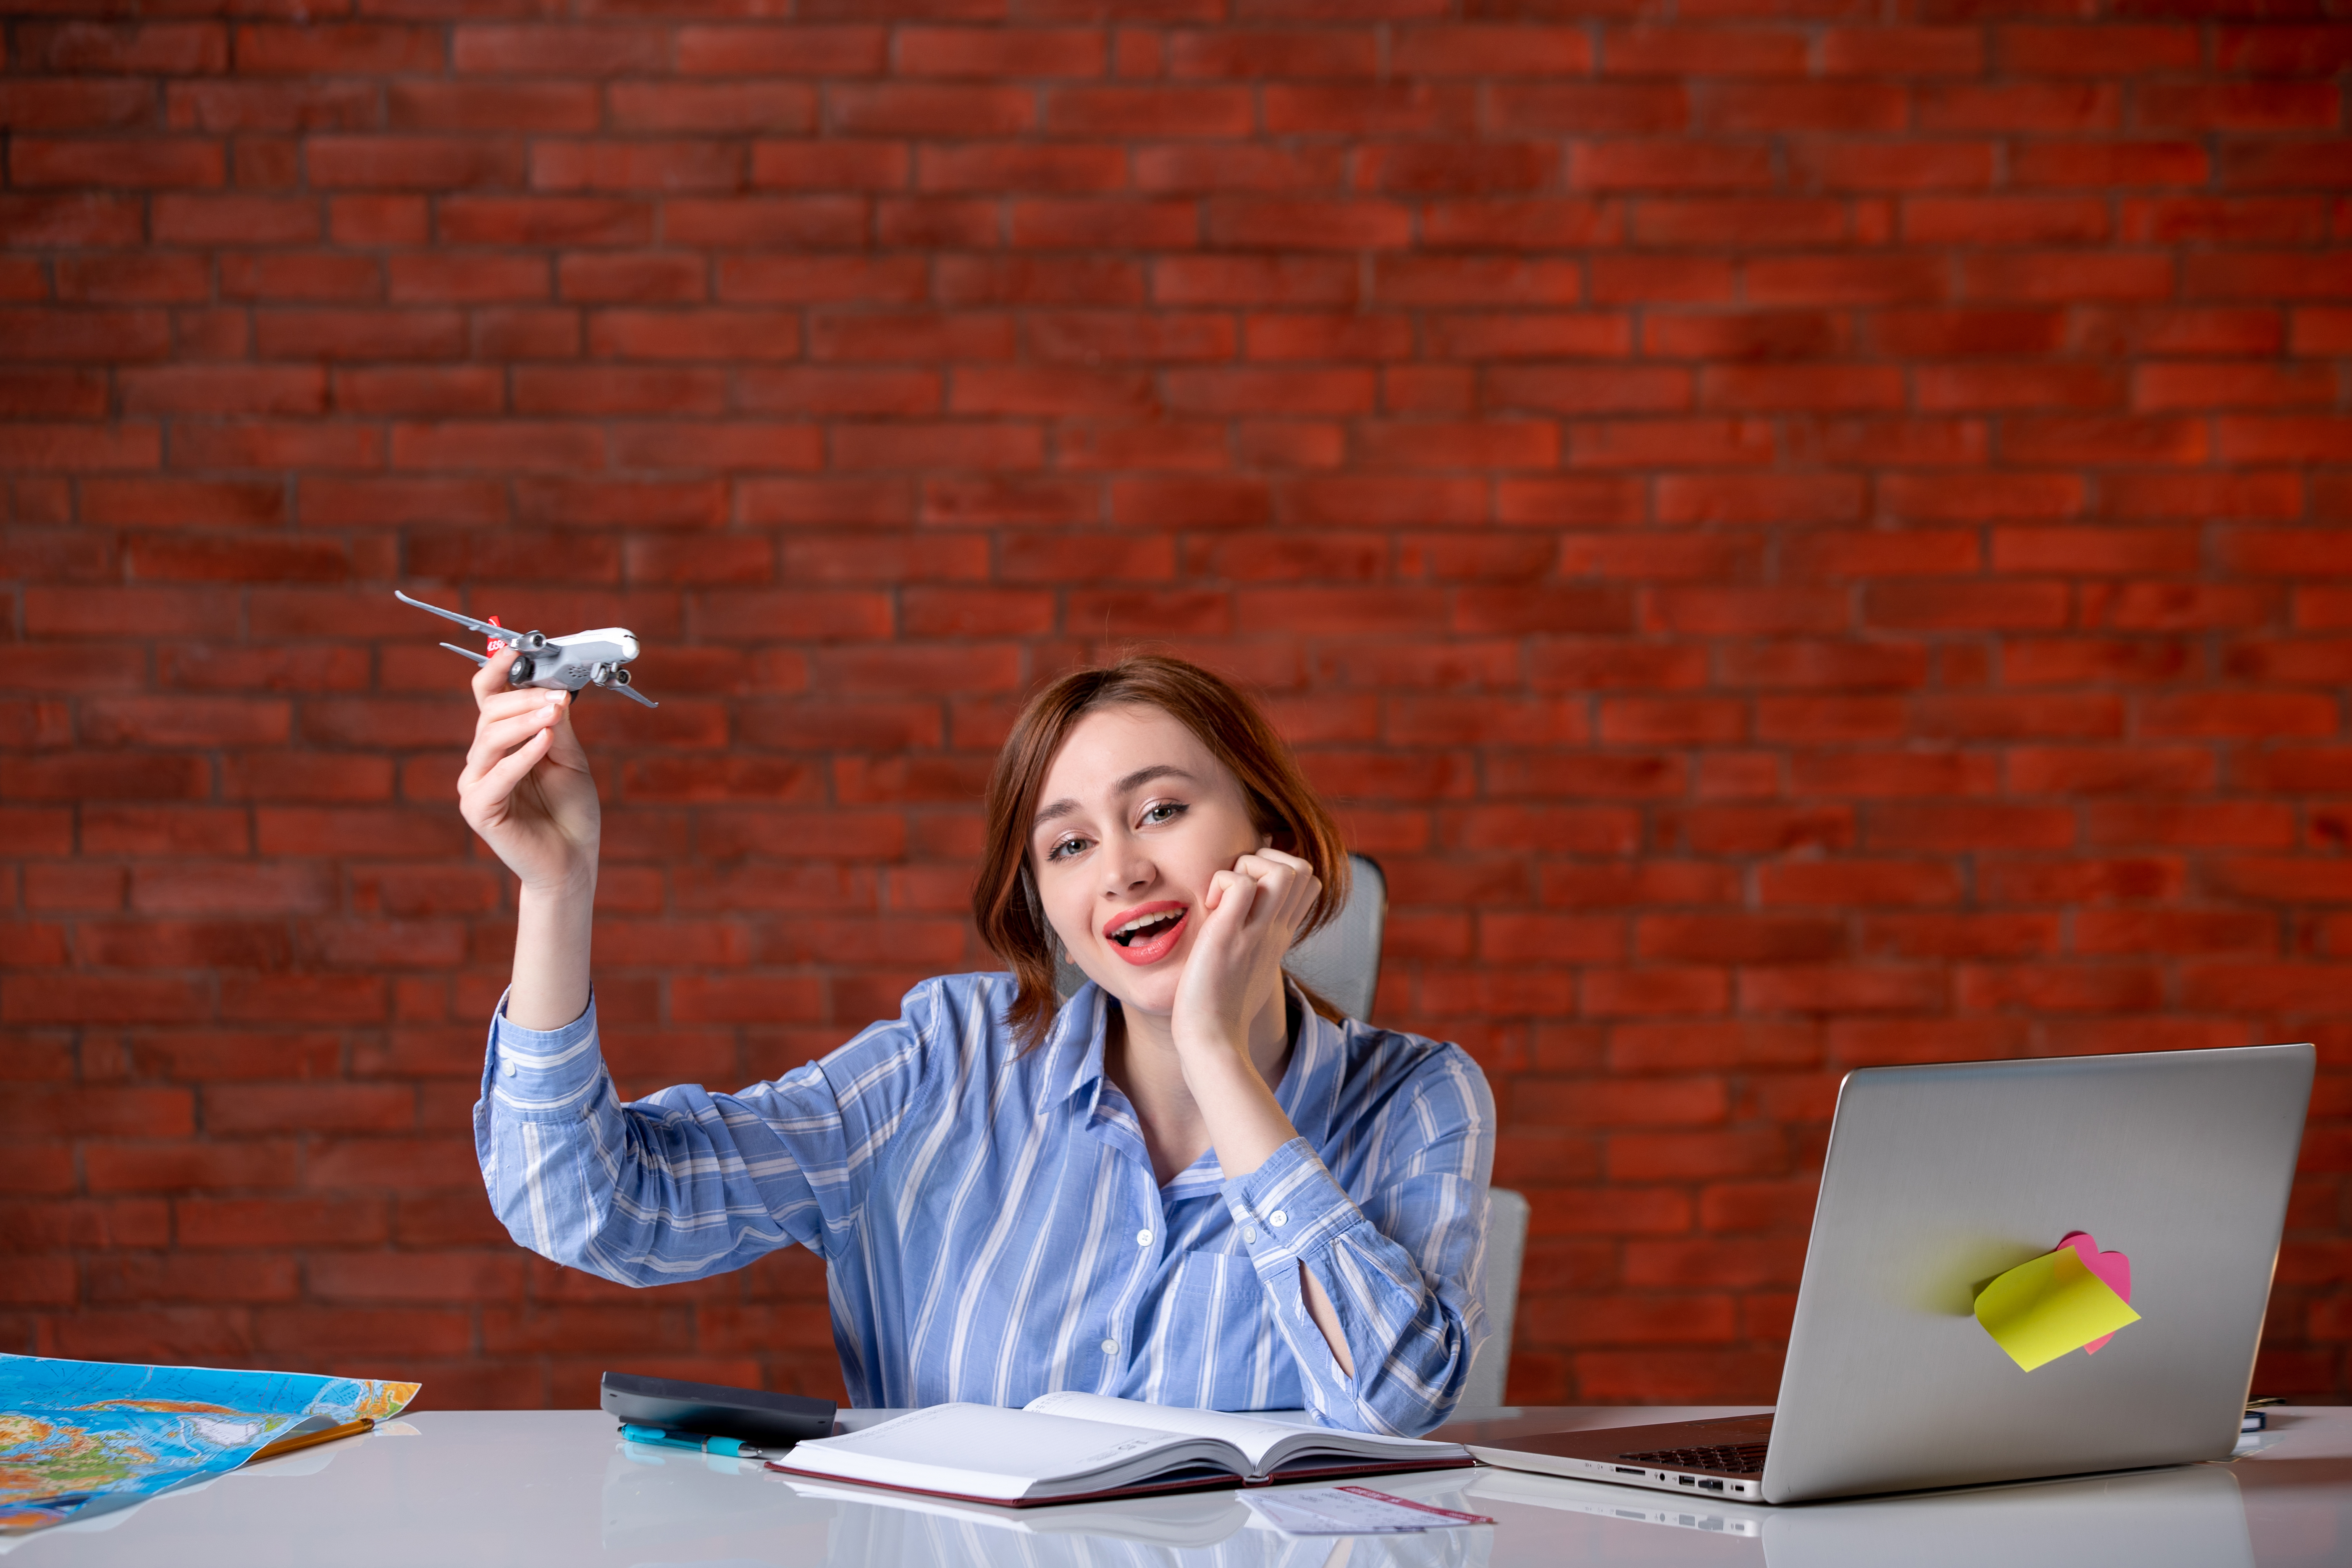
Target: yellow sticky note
{"points": [[2050, 1305]]}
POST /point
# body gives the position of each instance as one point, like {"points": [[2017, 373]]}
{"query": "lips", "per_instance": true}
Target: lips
{"points": [[1155, 939]]}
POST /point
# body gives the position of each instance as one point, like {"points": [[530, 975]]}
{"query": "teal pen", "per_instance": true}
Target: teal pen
{"points": [[726, 1447]]}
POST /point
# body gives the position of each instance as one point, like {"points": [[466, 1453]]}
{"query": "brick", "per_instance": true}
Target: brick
{"points": [[1588, 109], [360, 334], [335, 48], [2075, 275], [1646, 1156], [2021, 107], [412, 163], [1270, 52], [1901, 51], [1594, 390], [36, 334], [544, 220], [1844, 280], [2004, 220], [172, 48], [994, 52], [80, 218], [78, 1111], [1909, 165], [764, 50], [1329, 224], [908, 110], [635, 166]]}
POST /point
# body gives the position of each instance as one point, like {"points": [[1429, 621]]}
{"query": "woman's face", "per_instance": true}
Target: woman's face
{"points": [[1135, 818]]}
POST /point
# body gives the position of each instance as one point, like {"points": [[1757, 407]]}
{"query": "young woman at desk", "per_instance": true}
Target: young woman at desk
{"points": [[1182, 1185]]}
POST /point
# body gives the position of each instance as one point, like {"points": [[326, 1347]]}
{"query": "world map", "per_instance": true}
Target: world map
{"points": [[78, 1437]]}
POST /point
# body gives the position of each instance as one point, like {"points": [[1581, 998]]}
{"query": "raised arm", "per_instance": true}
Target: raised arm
{"points": [[527, 791], [686, 1183]]}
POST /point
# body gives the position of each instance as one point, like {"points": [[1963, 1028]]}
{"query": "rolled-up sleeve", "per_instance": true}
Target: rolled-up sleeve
{"points": [[685, 1183], [1402, 1260]]}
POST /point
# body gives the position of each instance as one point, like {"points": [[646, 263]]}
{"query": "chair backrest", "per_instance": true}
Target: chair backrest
{"points": [[1507, 1243], [1342, 961]]}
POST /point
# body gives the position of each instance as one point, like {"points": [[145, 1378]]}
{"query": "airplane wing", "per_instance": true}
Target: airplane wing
{"points": [[469, 653], [482, 626]]}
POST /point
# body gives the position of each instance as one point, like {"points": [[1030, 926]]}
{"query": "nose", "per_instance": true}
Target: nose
{"points": [[1126, 867]]}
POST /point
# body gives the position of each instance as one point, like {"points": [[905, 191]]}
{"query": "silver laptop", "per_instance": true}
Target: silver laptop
{"points": [[1939, 1179]]}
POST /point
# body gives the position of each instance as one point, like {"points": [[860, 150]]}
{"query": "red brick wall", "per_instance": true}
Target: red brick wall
{"points": [[1802, 535]]}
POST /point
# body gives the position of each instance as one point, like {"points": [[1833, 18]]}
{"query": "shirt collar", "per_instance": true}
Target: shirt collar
{"points": [[1073, 1068], [1309, 1087]]}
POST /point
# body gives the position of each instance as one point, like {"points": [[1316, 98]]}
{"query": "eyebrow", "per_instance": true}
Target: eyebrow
{"points": [[1138, 777]]}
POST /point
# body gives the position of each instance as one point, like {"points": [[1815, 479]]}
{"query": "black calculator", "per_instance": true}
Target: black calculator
{"points": [[714, 1410]]}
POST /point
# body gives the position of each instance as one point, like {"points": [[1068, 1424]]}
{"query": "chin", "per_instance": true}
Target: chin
{"points": [[1146, 990], [1153, 996]]}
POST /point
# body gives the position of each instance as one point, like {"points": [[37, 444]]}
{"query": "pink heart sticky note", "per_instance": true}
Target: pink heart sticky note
{"points": [[2112, 1267]]}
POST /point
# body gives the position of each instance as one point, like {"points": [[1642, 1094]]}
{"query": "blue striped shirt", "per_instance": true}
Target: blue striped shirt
{"points": [[990, 1223]]}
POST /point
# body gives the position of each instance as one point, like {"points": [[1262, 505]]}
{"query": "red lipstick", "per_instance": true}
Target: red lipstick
{"points": [[1151, 941]]}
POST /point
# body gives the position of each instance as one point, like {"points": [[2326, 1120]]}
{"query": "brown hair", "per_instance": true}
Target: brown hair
{"points": [[1004, 900]]}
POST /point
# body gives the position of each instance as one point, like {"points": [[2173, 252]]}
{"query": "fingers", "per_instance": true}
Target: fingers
{"points": [[495, 737], [1291, 881], [522, 700], [480, 798], [1280, 857], [490, 679], [1231, 894]]}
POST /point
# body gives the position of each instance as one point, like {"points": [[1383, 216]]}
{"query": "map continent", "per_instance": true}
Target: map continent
{"points": [[80, 1438]]}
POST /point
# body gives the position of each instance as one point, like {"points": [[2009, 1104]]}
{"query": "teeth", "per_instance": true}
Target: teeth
{"points": [[1142, 921]]}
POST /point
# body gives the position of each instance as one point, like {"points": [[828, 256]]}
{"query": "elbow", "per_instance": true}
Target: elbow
{"points": [[1416, 1388], [532, 1218], [567, 1248]]}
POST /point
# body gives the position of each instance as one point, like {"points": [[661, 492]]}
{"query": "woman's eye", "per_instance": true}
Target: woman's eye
{"points": [[1162, 811], [1064, 848]]}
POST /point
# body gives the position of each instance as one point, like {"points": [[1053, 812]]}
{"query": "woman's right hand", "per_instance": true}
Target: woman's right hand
{"points": [[527, 789]]}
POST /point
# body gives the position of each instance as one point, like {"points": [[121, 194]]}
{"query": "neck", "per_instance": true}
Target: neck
{"points": [[1140, 1056]]}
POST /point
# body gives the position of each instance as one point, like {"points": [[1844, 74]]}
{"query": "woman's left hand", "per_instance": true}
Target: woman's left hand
{"points": [[1250, 915]]}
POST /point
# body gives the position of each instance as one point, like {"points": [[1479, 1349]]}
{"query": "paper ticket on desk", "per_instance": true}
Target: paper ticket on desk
{"points": [[1352, 1510]]}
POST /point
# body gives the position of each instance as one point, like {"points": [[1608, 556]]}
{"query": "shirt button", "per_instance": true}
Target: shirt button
{"points": [[508, 1068], [1249, 1233], [1110, 1347], [1142, 1238], [1278, 1218]]}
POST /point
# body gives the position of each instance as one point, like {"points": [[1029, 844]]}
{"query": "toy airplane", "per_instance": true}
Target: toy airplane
{"points": [[554, 664]]}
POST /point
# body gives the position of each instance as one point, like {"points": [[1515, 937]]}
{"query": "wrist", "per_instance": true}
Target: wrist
{"points": [[1216, 1066], [1206, 1040], [575, 887]]}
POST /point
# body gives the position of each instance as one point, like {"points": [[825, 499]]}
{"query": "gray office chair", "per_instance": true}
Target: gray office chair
{"points": [[1507, 1243], [1342, 961]]}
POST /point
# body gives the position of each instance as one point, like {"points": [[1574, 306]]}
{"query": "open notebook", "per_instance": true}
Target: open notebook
{"points": [[1063, 1447]]}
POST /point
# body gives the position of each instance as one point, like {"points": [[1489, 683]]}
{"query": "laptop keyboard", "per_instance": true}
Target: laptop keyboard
{"points": [[1727, 1458]]}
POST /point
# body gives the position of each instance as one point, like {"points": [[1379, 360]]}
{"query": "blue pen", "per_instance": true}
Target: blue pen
{"points": [[728, 1447]]}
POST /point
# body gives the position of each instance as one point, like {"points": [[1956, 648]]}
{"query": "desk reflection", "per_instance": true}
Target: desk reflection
{"points": [[2191, 1517], [647, 1491]]}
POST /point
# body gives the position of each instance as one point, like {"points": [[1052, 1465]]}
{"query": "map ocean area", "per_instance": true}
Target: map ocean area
{"points": [[80, 1438]]}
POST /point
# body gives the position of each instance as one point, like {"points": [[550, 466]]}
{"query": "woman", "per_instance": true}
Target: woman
{"points": [[1181, 1185]]}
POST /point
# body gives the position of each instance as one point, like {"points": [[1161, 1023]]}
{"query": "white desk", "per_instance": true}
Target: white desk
{"points": [[453, 1490]]}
